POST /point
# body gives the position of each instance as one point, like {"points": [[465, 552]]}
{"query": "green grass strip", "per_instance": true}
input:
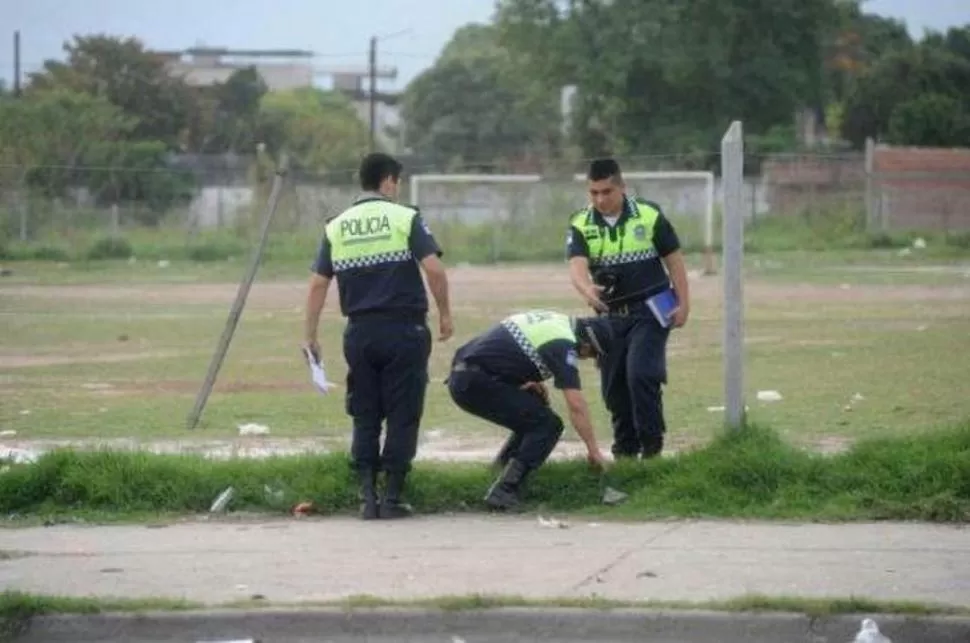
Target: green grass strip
{"points": [[749, 474]]}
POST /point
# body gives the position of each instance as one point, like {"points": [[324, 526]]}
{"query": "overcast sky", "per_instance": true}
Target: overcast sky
{"points": [[337, 31]]}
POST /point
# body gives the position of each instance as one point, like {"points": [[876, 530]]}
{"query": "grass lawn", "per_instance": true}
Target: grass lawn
{"points": [[858, 344]]}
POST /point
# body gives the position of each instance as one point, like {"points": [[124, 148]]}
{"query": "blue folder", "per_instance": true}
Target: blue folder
{"points": [[662, 305]]}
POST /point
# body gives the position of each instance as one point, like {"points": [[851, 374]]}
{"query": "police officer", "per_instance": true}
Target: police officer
{"points": [[374, 249], [621, 251], [499, 375]]}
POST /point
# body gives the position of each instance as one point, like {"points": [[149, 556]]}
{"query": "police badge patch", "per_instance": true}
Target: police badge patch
{"points": [[640, 233]]}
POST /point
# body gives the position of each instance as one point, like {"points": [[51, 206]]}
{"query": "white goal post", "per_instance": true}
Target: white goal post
{"points": [[707, 178]]}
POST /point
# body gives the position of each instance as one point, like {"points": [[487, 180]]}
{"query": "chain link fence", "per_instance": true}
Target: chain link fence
{"points": [[482, 216]]}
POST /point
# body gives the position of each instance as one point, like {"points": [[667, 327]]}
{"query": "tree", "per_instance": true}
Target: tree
{"points": [[320, 129], [62, 139], [58, 127], [231, 113], [899, 77], [930, 120], [127, 75], [476, 105], [665, 75]]}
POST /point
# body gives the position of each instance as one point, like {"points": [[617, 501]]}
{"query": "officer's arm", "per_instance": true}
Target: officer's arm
{"points": [[579, 418], [565, 376], [667, 243], [317, 293], [577, 251], [425, 249]]}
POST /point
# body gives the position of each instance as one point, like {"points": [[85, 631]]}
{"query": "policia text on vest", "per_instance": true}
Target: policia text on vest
{"points": [[376, 250], [621, 251]]}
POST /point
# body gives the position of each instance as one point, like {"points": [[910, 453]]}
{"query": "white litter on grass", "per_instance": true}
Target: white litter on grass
{"points": [[613, 496], [9, 433], [222, 500], [552, 523], [919, 243], [253, 429], [869, 633], [769, 396]]}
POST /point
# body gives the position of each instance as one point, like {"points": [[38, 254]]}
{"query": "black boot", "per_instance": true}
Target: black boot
{"points": [[504, 492], [392, 505], [367, 493]]}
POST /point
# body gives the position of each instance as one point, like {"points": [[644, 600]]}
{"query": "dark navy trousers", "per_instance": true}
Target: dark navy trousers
{"points": [[387, 379], [632, 374], [535, 428]]}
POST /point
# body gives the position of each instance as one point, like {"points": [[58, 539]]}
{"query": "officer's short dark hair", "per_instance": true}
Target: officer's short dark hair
{"points": [[607, 168], [376, 167]]}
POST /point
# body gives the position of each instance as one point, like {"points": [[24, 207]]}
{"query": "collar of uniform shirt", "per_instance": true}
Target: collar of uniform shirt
{"points": [[368, 195], [613, 220]]}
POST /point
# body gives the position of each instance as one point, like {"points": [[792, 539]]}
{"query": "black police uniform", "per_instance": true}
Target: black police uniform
{"points": [[386, 343], [628, 256], [486, 379]]}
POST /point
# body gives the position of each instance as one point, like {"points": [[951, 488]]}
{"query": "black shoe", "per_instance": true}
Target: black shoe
{"points": [[367, 493], [392, 506], [503, 495]]}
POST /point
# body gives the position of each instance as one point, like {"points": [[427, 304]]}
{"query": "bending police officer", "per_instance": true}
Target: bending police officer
{"points": [[498, 376], [374, 249], [621, 252]]}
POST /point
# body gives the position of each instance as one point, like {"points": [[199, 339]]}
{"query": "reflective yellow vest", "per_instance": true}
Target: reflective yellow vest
{"points": [[534, 329], [633, 240], [369, 234]]}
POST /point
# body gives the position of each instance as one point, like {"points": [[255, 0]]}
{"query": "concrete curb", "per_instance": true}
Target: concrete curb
{"points": [[480, 625]]}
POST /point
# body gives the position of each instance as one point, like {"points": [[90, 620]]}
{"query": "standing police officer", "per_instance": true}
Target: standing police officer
{"points": [[632, 252], [498, 376], [374, 249]]}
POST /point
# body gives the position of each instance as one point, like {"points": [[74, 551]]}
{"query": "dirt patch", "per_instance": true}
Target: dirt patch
{"points": [[436, 445], [26, 361], [495, 287]]}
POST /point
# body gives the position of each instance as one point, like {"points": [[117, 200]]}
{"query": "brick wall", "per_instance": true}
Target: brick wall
{"points": [[922, 188], [912, 188]]}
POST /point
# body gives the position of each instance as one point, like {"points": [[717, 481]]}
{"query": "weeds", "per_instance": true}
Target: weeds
{"points": [[751, 474]]}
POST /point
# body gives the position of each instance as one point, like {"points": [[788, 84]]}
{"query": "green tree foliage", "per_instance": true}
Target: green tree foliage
{"points": [[320, 129], [669, 75], [902, 77], [930, 120], [127, 75], [478, 104]]}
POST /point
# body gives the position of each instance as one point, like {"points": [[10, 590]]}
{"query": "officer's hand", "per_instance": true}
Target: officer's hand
{"points": [[538, 388], [593, 298], [597, 460], [680, 316], [445, 328], [313, 346]]}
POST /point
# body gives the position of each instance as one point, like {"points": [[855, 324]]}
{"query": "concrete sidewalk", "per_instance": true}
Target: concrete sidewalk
{"points": [[326, 559]]}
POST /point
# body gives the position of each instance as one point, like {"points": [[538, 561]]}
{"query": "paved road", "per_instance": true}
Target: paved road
{"points": [[291, 560], [563, 626]]}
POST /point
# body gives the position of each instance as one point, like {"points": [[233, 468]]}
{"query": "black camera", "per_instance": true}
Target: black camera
{"points": [[609, 281]]}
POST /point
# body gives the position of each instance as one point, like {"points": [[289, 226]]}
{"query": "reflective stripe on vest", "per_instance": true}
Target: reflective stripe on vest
{"points": [[370, 234], [532, 330], [634, 237]]}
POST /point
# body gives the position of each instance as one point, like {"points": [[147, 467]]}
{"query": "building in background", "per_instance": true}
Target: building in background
{"points": [[286, 69], [280, 69]]}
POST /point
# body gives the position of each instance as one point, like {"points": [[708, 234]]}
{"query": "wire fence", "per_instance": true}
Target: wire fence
{"points": [[884, 190]]}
